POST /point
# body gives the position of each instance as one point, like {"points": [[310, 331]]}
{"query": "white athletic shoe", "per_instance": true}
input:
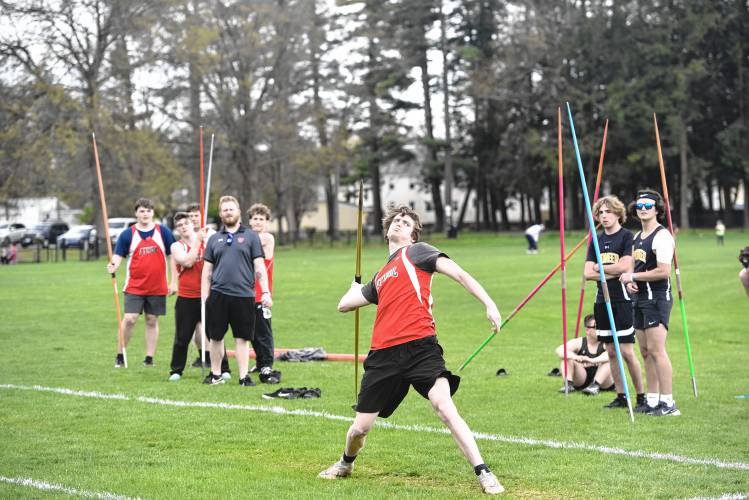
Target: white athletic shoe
{"points": [[338, 469], [174, 377], [489, 483]]}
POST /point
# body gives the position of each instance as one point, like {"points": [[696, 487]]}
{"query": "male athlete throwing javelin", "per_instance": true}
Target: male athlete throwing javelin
{"points": [[404, 349]]}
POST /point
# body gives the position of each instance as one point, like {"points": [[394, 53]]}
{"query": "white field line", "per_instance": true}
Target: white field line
{"points": [[727, 496], [42, 485], [278, 410]]}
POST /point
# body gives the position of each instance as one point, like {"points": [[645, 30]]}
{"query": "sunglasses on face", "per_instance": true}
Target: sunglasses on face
{"points": [[644, 206], [229, 239], [590, 326]]}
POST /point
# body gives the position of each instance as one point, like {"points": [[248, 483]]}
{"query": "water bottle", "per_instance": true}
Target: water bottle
{"points": [[267, 312]]}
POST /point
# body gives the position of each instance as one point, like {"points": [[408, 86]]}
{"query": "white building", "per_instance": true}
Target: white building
{"points": [[31, 211]]}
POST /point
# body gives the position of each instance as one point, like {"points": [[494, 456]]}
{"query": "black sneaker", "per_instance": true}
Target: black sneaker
{"points": [[268, 376], [310, 393], [284, 393], [119, 361], [148, 361], [663, 410], [246, 381], [212, 379], [554, 373], [643, 408], [568, 386], [197, 363], [619, 402]]}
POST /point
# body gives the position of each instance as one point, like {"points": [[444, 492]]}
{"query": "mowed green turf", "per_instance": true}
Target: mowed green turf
{"points": [[58, 330]]}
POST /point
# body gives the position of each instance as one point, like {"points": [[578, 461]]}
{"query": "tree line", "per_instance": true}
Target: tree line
{"points": [[310, 95]]}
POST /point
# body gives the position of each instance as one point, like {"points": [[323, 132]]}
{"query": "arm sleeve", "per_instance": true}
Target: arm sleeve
{"points": [[629, 241], [256, 249], [208, 254], [370, 292], [424, 256], [168, 237], [663, 245], [591, 256], [123, 243]]}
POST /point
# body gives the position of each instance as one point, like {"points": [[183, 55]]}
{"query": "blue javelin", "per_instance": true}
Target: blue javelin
{"points": [[604, 286]]}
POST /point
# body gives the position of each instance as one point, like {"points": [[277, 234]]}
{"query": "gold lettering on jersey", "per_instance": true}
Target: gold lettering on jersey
{"points": [[640, 255], [609, 258], [390, 273]]}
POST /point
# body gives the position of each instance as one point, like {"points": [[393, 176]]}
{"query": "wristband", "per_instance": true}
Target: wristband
{"points": [[633, 277]]}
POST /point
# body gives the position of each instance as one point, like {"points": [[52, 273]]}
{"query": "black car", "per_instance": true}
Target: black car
{"points": [[44, 232]]}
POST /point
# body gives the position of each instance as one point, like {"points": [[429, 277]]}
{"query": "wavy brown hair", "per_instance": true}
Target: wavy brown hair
{"points": [[612, 203], [402, 210]]}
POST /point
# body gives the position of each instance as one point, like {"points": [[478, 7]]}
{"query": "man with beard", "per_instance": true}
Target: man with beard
{"points": [[233, 260]]}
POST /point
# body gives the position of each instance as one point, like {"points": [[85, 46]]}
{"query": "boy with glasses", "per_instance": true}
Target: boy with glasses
{"points": [[188, 258], [615, 243], [653, 251], [588, 367]]}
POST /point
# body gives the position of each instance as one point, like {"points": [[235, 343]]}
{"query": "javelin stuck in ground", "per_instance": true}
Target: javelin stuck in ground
{"points": [[105, 220]]}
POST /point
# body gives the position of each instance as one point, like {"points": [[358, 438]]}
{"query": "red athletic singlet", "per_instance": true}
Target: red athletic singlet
{"points": [[404, 303], [146, 266], [269, 273], [189, 277]]}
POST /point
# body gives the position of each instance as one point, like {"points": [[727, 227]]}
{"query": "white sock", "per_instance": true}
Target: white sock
{"points": [[652, 399], [668, 399]]}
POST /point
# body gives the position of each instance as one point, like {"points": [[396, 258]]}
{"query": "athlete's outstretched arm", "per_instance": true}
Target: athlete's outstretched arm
{"points": [[353, 298], [454, 271]]}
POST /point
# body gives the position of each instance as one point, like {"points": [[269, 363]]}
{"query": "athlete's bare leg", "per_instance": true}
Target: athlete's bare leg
{"points": [[651, 373], [128, 323], [442, 402], [152, 334]]}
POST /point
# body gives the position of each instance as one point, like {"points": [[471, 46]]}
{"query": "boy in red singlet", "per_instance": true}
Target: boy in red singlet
{"points": [[188, 256], [148, 245], [404, 349], [263, 343]]}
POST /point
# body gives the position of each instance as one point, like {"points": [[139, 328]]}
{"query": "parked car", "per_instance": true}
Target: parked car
{"points": [[45, 232], [117, 225], [11, 232], [77, 236]]}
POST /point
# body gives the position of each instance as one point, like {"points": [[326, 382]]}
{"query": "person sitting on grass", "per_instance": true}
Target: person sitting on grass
{"points": [[404, 350], [588, 367]]}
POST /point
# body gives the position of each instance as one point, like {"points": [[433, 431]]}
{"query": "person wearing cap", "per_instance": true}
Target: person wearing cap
{"points": [[653, 250]]}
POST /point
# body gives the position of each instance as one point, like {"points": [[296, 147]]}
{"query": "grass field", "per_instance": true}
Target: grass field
{"points": [[155, 439]]}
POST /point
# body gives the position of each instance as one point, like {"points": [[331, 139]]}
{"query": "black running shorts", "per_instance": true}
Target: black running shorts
{"points": [[389, 373], [222, 311], [651, 312], [149, 304], [622, 317], [590, 376]]}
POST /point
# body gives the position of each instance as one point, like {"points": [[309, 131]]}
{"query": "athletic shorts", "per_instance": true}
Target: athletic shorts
{"points": [[389, 373], [150, 304], [222, 311], [622, 317], [651, 312], [590, 376]]}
